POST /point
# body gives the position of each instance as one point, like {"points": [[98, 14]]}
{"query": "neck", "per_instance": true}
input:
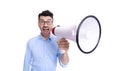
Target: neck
{"points": [[46, 36]]}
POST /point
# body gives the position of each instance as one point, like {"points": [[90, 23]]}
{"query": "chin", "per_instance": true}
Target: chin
{"points": [[46, 34]]}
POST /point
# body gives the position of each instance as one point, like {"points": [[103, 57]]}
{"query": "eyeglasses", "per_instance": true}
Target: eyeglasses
{"points": [[48, 22]]}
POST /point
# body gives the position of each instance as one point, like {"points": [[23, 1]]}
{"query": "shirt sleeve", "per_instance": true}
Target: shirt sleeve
{"points": [[27, 59]]}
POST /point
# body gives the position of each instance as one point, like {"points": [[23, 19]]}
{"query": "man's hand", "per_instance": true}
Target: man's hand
{"points": [[63, 44]]}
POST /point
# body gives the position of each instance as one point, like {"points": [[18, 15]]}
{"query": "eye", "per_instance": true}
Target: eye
{"points": [[41, 21], [48, 22]]}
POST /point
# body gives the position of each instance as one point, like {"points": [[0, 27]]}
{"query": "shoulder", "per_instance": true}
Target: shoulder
{"points": [[53, 37]]}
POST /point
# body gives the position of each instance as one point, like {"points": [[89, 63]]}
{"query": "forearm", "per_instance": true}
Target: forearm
{"points": [[65, 58]]}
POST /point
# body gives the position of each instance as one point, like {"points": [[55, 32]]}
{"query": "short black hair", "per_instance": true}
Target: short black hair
{"points": [[45, 13]]}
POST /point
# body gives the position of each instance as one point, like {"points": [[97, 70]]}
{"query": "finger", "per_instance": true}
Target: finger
{"points": [[64, 45], [62, 39]]}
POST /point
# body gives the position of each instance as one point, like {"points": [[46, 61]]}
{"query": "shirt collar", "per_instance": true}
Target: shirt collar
{"points": [[50, 37]]}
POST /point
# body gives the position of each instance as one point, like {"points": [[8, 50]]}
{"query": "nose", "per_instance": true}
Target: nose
{"points": [[45, 24]]}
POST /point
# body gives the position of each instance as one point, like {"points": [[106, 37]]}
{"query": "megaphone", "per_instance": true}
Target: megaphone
{"points": [[87, 34]]}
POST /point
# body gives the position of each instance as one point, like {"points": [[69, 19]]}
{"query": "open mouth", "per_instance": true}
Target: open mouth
{"points": [[45, 29]]}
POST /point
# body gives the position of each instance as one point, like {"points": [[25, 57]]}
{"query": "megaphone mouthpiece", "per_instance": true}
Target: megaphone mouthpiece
{"points": [[53, 29]]}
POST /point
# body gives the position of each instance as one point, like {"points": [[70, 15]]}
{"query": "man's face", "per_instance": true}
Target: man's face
{"points": [[45, 24]]}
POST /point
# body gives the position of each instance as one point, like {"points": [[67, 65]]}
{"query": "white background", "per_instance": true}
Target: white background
{"points": [[18, 23]]}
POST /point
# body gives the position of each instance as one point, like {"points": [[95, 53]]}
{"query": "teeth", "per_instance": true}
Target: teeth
{"points": [[45, 29]]}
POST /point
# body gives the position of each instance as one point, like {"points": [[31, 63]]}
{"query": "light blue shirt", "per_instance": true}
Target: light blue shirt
{"points": [[41, 55]]}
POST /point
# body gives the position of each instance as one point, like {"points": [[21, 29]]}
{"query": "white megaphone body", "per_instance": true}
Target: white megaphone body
{"points": [[68, 32]]}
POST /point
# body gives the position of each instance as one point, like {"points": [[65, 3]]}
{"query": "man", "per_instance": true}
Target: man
{"points": [[43, 50]]}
